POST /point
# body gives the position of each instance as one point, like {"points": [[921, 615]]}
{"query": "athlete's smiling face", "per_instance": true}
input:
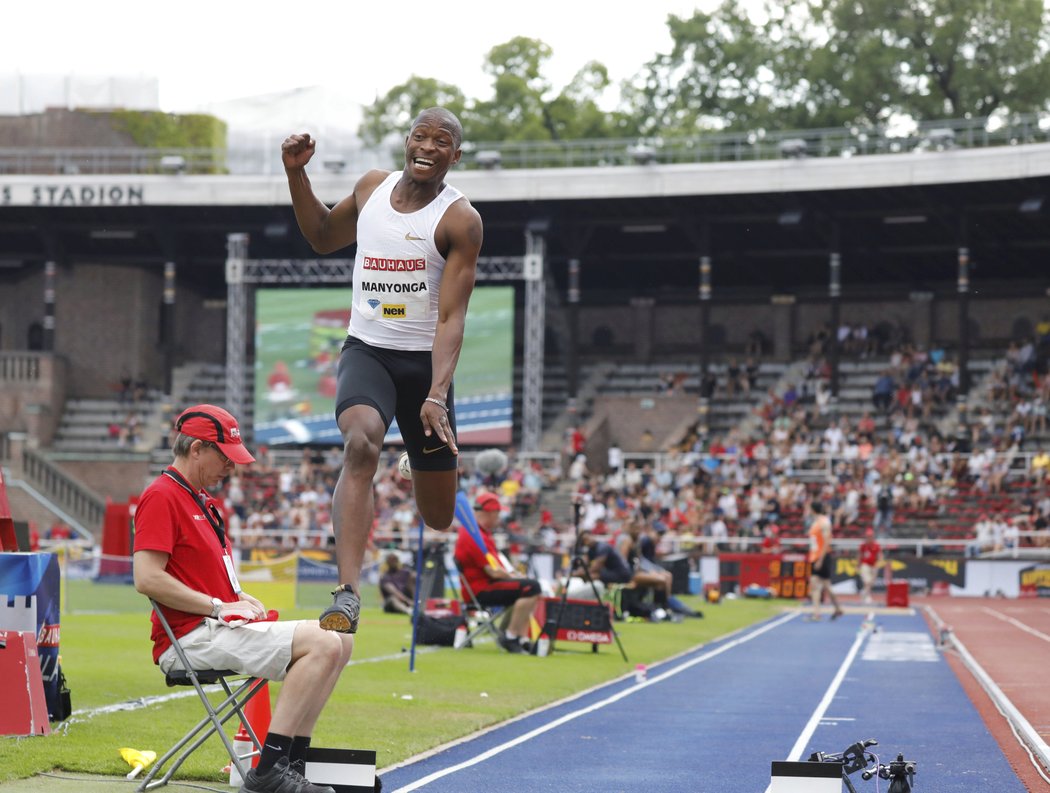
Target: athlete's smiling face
{"points": [[432, 147]]}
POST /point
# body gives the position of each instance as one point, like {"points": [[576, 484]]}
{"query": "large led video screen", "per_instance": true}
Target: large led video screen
{"points": [[298, 336]]}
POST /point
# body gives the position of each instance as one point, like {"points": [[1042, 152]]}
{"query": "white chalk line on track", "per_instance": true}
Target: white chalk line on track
{"points": [[1027, 736], [145, 702], [829, 695], [1016, 623], [595, 706]]}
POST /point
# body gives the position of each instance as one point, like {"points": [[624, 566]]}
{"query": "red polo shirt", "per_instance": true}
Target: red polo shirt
{"points": [[168, 519]]}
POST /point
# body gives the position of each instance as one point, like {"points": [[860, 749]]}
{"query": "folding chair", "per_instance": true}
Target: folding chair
{"points": [[484, 618], [217, 715]]}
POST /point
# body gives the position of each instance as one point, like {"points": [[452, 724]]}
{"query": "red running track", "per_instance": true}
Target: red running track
{"points": [[1010, 639]]}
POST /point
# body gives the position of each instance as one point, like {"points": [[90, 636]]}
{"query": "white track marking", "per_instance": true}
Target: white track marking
{"points": [[1016, 623], [591, 708], [829, 695]]}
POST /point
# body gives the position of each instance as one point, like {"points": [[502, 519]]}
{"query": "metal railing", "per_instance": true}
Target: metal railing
{"points": [[83, 505], [70, 161], [845, 141], [263, 158], [21, 367]]}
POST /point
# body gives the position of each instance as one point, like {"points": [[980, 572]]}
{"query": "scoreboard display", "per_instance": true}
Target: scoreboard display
{"points": [[789, 576]]}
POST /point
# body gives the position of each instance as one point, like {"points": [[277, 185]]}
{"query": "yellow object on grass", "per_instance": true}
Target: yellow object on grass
{"points": [[137, 759]]}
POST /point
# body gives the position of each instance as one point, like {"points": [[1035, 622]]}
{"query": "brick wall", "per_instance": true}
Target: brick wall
{"points": [[58, 127]]}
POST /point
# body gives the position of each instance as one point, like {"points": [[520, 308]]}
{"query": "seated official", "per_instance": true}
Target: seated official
{"points": [[183, 561], [397, 586], [491, 582]]}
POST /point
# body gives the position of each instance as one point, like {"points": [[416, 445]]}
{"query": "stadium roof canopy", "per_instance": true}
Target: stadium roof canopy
{"points": [[768, 226]]}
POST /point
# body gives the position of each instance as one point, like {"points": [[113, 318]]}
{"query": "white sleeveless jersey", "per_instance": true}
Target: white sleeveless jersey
{"points": [[397, 271]]}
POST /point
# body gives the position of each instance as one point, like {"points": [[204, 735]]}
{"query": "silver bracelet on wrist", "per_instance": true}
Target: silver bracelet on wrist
{"points": [[437, 402]]}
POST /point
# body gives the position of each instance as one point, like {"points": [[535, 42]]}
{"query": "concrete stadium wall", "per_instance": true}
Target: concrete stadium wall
{"points": [[107, 321]]}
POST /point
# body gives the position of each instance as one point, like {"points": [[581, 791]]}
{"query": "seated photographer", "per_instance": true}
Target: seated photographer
{"points": [[492, 583], [604, 562], [397, 586], [634, 545]]}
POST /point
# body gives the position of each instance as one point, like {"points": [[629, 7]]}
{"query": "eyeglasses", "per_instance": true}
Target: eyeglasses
{"points": [[226, 461]]}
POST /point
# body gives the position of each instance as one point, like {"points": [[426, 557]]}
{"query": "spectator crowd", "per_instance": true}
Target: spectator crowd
{"points": [[890, 468]]}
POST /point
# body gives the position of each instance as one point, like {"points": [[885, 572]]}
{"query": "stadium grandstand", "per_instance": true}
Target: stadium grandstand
{"points": [[703, 335]]}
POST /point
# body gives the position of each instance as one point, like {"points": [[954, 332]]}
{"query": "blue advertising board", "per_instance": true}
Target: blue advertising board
{"points": [[29, 601]]}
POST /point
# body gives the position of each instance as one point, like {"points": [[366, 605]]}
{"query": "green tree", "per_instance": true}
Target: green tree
{"points": [[391, 114], [950, 58], [516, 110], [832, 62], [576, 112], [717, 75], [524, 106]]}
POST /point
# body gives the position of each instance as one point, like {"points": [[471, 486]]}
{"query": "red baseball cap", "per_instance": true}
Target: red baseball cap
{"points": [[487, 502], [212, 423]]}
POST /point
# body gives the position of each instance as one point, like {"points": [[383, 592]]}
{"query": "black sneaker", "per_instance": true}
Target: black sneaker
{"points": [[344, 612], [511, 645], [282, 778]]}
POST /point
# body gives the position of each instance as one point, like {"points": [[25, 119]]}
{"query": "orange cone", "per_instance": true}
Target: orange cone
{"points": [[257, 712]]}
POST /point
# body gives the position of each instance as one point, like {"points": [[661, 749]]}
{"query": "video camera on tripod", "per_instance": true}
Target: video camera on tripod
{"points": [[900, 772]]}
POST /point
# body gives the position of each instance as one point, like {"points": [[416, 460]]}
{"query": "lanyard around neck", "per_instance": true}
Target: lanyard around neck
{"points": [[211, 514]]}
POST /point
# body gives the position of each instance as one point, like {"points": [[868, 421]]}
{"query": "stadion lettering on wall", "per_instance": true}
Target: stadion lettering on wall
{"points": [[73, 195]]}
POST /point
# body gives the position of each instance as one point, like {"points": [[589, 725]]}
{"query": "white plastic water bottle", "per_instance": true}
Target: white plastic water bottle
{"points": [[543, 645], [461, 635], [242, 746], [640, 673]]}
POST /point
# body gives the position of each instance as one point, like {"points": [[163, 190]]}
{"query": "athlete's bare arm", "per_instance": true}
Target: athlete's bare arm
{"points": [[461, 231], [326, 230]]}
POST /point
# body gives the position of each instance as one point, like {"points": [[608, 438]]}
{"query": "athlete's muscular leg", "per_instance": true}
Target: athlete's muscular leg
{"points": [[353, 506], [435, 493]]}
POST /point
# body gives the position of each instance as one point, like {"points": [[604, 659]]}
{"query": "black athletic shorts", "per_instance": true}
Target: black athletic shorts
{"points": [[824, 570], [506, 592], [395, 383]]}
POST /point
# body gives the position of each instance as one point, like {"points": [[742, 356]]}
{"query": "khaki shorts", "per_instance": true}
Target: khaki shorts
{"points": [[262, 649], [867, 574]]}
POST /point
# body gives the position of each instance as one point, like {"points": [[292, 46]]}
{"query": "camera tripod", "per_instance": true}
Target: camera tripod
{"points": [[577, 562], [899, 772]]}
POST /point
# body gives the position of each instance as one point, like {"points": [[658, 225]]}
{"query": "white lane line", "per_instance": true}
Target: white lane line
{"points": [[1028, 735], [1016, 623], [145, 702], [593, 707], [829, 695]]}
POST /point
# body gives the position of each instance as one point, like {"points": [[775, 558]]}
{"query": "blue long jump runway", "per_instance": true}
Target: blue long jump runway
{"points": [[713, 719]]}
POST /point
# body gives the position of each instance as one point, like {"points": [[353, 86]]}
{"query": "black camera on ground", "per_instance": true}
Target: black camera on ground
{"points": [[901, 772]]}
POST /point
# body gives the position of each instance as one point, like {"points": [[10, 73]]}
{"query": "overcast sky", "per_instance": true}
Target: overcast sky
{"points": [[203, 52]]}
